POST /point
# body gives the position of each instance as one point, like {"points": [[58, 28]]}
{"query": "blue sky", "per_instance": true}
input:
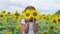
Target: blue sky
{"points": [[43, 6]]}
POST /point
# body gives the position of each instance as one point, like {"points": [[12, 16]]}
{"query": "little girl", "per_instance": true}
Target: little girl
{"points": [[29, 26]]}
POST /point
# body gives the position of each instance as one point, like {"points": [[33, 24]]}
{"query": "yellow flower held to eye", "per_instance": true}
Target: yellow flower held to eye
{"points": [[27, 14], [30, 13], [35, 14]]}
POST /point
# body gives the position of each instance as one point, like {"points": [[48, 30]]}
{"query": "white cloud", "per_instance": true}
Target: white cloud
{"points": [[15, 8], [48, 5], [12, 9]]}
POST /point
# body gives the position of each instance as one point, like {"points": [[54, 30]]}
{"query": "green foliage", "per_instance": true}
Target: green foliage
{"points": [[58, 12], [47, 27], [9, 26]]}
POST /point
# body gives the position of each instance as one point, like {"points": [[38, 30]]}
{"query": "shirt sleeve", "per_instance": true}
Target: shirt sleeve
{"points": [[22, 21]]}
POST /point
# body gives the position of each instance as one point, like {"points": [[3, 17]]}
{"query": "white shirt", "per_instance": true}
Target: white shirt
{"points": [[31, 29]]}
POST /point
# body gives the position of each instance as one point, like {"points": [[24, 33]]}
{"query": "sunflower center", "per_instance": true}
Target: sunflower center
{"points": [[17, 14], [27, 14], [44, 17], [51, 27], [1, 15], [58, 20], [54, 21], [3, 11], [8, 12], [45, 33], [34, 14], [47, 18]]}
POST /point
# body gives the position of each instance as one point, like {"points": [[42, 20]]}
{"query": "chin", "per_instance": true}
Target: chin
{"points": [[31, 20]]}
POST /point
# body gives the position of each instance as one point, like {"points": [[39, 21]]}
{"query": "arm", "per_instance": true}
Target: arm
{"points": [[35, 25], [25, 27]]}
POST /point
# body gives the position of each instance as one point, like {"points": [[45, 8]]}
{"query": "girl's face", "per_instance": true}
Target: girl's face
{"points": [[30, 8], [31, 20]]}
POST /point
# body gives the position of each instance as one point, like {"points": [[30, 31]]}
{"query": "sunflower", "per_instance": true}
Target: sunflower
{"points": [[3, 13], [55, 21], [24, 11], [27, 14], [19, 19], [16, 13], [48, 19], [51, 27], [44, 15], [58, 19], [8, 33], [42, 18], [45, 32], [9, 13], [51, 19], [18, 27], [35, 14], [1, 16]]}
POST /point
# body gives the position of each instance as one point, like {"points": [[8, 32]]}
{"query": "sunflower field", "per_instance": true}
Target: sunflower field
{"points": [[10, 23]]}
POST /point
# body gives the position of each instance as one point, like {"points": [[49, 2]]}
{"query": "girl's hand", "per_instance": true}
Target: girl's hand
{"points": [[34, 20], [27, 21]]}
